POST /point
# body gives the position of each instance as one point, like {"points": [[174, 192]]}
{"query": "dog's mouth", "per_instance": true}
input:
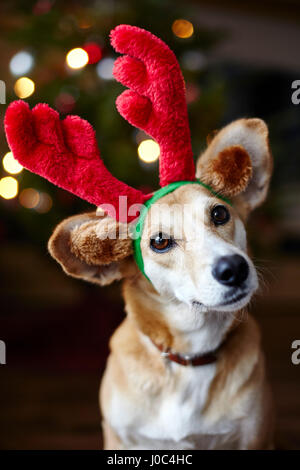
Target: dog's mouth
{"points": [[232, 299]]}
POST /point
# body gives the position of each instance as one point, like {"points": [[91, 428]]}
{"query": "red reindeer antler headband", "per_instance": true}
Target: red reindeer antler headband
{"points": [[66, 152]]}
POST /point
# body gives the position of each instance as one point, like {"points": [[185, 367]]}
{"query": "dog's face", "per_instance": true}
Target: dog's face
{"points": [[194, 250], [193, 243]]}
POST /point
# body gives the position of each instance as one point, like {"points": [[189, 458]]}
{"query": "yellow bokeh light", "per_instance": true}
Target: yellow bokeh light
{"points": [[8, 187], [148, 151], [10, 164], [29, 198], [77, 58], [24, 87], [183, 29]]}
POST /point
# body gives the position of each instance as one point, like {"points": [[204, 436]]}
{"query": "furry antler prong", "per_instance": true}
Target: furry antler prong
{"points": [[156, 102]]}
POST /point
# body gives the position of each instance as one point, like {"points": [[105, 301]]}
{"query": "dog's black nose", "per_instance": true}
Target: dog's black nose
{"points": [[231, 270]]}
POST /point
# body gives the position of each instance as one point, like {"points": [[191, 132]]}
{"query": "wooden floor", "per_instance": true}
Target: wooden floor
{"points": [[57, 407]]}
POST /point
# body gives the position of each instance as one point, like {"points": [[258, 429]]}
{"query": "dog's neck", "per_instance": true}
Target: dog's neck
{"points": [[173, 324]]}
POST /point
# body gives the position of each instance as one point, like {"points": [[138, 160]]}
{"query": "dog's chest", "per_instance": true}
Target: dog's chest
{"points": [[178, 411], [174, 418]]}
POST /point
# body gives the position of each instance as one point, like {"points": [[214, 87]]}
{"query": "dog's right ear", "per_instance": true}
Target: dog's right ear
{"points": [[93, 247]]}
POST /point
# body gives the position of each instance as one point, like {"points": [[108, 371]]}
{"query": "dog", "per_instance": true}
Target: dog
{"points": [[186, 369]]}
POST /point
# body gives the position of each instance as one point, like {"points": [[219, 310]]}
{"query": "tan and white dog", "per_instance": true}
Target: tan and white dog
{"points": [[192, 310]]}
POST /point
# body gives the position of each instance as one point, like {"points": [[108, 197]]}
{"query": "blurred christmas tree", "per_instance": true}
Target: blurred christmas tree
{"points": [[38, 35]]}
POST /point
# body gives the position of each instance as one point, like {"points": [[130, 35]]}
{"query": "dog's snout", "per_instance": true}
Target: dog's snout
{"points": [[231, 270]]}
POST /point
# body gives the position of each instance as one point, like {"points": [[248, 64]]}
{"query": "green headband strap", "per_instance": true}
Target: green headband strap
{"points": [[138, 229]]}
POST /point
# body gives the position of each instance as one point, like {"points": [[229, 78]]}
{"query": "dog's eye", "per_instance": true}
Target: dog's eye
{"points": [[161, 242], [220, 215]]}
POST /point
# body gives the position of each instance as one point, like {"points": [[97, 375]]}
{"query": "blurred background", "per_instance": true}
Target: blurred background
{"points": [[239, 59]]}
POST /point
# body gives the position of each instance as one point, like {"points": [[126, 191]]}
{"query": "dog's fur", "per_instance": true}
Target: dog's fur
{"points": [[148, 402]]}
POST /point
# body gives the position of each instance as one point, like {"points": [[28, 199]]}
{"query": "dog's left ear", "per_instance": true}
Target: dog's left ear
{"points": [[238, 163]]}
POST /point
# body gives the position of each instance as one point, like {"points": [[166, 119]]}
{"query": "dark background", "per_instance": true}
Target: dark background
{"points": [[56, 329]]}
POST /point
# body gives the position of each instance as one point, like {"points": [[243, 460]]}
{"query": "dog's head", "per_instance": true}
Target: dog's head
{"points": [[193, 243]]}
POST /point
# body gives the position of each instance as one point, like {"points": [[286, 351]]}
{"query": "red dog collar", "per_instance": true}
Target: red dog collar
{"points": [[188, 360]]}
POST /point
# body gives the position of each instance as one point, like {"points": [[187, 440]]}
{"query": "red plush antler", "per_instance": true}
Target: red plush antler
{"points": [[66, 153], [156, 101]]}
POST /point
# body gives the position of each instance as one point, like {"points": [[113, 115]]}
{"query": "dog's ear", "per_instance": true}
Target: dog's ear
{"points": [[92, 247], [238, 164]]}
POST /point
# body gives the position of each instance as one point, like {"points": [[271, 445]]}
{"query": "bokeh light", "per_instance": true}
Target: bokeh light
{"points": [[77, 58], [94, 52], [9, 187], [24, 87], [148, 151], [105, 68], [21, 63], [194, 60], [10, 164], [29, 198], [65, 102], [183, 28]]}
